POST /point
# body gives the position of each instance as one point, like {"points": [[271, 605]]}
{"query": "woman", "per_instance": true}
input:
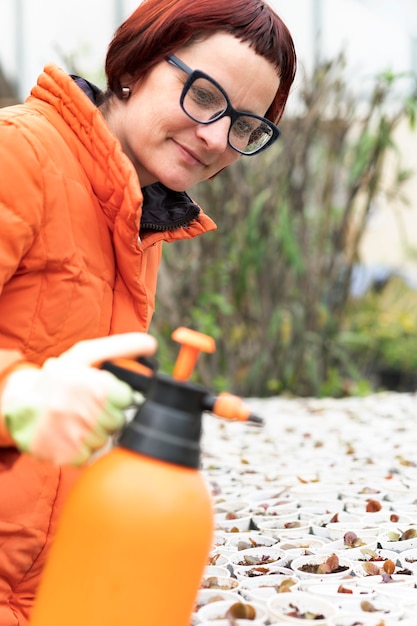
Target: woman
{"points": [[91, 185]]}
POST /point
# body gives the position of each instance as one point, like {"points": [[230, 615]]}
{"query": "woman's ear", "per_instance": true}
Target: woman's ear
{"points": [[126, 86]]}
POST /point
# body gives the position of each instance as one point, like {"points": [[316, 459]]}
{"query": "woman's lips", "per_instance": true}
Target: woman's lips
{"points": [[190, 156]]}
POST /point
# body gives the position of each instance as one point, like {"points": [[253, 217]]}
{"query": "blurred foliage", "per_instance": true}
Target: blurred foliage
{"points": [[380, 333], [272, 285]]}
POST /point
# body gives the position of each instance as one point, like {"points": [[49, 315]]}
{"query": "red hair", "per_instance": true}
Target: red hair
{"points": [[157, 28]]}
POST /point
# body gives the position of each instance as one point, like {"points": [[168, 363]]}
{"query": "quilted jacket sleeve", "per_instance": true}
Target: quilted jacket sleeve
{"points": [[21, 197], [20, 217]]}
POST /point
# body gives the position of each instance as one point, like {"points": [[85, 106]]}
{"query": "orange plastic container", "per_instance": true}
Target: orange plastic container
{"points": [[131, 548], [136, 531]]}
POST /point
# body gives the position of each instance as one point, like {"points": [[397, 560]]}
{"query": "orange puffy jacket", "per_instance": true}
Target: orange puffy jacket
{"points": [[72, 267]]}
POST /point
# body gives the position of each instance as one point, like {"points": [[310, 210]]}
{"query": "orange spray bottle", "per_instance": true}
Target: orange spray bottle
{"points": [[136, 531]]}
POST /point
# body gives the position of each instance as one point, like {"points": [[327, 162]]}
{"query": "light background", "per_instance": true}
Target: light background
{"points": [[376, 34]]}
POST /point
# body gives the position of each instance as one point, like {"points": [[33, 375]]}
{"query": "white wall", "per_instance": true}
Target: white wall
{"points": [[376, 34], [35, 32]]}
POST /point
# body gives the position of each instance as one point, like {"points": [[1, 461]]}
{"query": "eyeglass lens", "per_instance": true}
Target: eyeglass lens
{"points": [[205, 103]]}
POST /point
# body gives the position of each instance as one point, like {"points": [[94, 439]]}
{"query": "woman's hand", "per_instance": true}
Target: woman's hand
{"points": [[67, 409]]}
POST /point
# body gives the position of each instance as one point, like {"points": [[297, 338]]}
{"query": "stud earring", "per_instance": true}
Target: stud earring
{"points": [[126, 93]]}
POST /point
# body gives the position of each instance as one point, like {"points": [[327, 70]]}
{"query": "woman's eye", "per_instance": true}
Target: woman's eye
{"points": [[206, 98], [243, 127]]}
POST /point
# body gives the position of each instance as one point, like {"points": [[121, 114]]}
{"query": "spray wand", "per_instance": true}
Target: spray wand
{"points": [[140, 374]]}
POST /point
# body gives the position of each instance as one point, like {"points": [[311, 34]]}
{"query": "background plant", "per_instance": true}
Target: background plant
{"points": [[272, 285], [380, 333]]}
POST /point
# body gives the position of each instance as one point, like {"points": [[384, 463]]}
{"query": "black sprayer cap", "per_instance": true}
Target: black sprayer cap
{"points": [[167, 426]]}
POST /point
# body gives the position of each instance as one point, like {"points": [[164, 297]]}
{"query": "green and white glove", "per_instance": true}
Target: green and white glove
{"points": [[67, 409]]}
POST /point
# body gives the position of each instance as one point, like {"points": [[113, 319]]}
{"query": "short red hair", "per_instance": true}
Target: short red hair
{"points": [[157, 28]]}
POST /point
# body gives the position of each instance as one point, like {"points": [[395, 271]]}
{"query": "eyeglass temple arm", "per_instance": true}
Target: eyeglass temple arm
{"points": [[176, 62]]}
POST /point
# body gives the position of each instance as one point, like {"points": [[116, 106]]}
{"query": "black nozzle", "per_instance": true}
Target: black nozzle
{"points": [[255, 419]]}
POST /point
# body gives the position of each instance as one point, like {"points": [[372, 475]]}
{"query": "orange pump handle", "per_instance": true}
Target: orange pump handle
{"points": [[231, 407], [192, 343], [133, 366]]}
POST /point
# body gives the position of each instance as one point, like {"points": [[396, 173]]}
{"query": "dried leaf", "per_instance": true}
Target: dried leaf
{"points": [[292, 525], [370, 568], [285, 586], [372, 506], [307, 615], [216, 599], [333, 562], [410, 533], [210, 583], [389, 566], [350, 538], [371, 553], [258, 571], [368, 490], [367, 607], [323, 568], [250, 559], [240, 610], [350, 449], [213, 559], [329, 566]]}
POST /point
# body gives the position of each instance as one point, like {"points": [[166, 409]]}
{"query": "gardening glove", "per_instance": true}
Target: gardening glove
{"points": [[67, 409]]}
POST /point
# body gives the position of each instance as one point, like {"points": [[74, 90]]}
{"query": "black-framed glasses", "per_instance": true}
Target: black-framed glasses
{"points": [[205, 102]]}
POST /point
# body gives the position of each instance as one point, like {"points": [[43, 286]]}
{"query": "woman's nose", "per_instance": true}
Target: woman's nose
{"points": [[215, 134]]}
